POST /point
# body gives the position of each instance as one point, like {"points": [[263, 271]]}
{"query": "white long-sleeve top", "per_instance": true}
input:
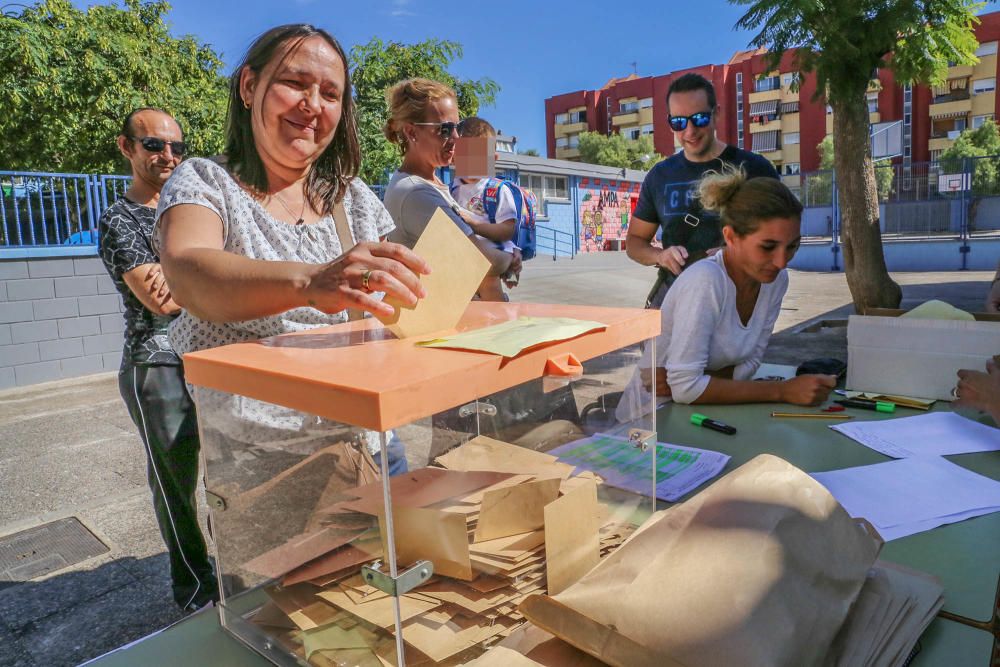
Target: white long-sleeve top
{"points": [[701, 329]]}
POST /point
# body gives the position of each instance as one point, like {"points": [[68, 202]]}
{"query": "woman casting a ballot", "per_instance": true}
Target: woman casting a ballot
{"points": [[254, 247], [279, 235], [719, 314]]}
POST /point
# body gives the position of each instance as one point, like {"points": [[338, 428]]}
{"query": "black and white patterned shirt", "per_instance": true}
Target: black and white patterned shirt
{"points": [[125, 243], [250, 231]]}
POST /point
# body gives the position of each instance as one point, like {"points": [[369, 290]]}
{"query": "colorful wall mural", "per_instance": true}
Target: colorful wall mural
{"points": [[605, 209]]}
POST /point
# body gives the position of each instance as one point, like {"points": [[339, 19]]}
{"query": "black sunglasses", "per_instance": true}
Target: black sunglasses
{"points": [[155, 145], [445, 129], [700, 119]]}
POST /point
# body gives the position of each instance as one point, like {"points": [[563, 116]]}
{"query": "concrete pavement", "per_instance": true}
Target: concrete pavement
{"points": [[70, 449]]}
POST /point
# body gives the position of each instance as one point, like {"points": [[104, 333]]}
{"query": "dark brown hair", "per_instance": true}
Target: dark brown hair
{"points": [[689, 82], [330, 175], [743, 204]]}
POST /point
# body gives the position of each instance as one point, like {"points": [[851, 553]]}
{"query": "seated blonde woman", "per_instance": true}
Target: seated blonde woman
{"points": [[719, 315]]}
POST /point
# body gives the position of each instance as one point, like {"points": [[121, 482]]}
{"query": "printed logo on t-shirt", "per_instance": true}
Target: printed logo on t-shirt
{"points": [[678, 198]]}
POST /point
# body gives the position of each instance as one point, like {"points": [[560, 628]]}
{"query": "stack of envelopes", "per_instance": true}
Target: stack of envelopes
{"points": [[498, 522]]}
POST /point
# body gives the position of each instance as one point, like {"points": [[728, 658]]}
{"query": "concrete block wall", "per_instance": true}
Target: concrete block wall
{"points": [[60, 317]]}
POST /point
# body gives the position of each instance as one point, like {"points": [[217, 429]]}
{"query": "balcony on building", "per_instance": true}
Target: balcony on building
{"points": [[567, 153], [768, 144], [945, 129], [625, 118], [952, 90], [572, 122]]}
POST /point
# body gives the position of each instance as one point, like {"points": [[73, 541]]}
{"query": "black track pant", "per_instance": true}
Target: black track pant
{"points": [[161, 408]]}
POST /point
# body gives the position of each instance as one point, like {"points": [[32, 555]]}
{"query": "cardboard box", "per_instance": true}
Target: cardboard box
{"points": [[916, 357]]}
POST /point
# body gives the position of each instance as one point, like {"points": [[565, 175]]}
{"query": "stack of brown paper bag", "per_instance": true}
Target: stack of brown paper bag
{"points": [[762, 568], [499, 523]]}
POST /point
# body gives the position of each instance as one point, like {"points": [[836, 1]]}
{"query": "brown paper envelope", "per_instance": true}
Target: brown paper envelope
{"points": [[515, 509], [476, 498], [454, 593], [572, 547], [474, 157], [379, 612], [546, 649], [299, 550], [351, 555], [441, 641], [332, 638], [301, 605], [500, 656], [599, 641], [271, 615], [511, 546], [485, 583], [768, 531], [420, 488], [457, 268], [483, 453], [426, 534]]}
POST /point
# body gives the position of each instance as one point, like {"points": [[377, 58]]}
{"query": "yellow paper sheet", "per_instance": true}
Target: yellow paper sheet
{"points": [[511, 338], [457, 268], [938, 310]]}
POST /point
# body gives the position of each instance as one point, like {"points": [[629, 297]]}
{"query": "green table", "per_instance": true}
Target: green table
{"points": [[964, 555]]}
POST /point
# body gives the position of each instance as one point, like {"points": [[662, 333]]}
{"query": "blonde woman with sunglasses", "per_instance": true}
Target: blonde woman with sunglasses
{"points": [[424, 124]]}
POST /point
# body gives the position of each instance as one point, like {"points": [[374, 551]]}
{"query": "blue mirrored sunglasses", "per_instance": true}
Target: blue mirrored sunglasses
{"points": [[700, 119]]}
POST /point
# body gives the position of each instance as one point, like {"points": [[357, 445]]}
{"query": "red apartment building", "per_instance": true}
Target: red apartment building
{"points": [[759, 111]]}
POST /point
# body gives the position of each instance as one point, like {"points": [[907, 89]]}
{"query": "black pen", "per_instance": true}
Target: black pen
{"points": [[702, 420]]}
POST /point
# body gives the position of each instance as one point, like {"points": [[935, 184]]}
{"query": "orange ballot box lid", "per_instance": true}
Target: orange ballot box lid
{"points": [[358, 373]]}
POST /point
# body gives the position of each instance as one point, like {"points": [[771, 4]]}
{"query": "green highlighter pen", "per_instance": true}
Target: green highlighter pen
{"points": [[878, 406], [702, 420]]}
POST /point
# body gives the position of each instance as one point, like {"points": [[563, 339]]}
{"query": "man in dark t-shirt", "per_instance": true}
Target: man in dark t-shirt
{"points": [[151, 379], [668, 199]]}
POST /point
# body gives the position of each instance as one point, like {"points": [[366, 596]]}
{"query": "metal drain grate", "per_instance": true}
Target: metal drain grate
{"points": [[43, 549]]}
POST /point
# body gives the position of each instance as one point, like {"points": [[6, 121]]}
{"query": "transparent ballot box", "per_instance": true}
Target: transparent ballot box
{"points": [[378, 502]]}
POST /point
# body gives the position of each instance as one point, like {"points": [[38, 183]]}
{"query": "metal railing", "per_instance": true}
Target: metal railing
{"points": [[40, 209], [554, 241], [949, 199]]}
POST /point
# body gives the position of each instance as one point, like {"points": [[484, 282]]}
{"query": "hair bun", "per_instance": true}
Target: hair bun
{"points": [[717, 188]]}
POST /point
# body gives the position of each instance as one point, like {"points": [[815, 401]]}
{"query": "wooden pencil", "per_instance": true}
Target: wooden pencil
{"points": [[813, 415]]}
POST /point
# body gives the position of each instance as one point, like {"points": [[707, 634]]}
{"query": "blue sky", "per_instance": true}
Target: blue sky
{"points": [[533, 50]]}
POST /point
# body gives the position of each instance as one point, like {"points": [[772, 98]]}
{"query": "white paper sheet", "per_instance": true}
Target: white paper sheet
{"points": [[931, 434], [912, 495]]}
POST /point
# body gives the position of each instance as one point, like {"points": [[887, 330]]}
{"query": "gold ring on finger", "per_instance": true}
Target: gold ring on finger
{"points": [[365, 278]]}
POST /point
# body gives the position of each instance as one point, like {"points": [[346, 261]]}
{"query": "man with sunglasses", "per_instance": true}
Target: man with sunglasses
{"points": [[151, 379], [667, 200]]}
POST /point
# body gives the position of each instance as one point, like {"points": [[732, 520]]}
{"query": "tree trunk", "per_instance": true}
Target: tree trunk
{"points": [[864, 261]]}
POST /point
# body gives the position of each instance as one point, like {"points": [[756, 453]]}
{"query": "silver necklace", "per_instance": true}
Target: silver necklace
{"points": [[285, 206]]}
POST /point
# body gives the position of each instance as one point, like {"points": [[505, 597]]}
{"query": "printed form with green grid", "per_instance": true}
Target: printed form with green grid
{"points": [[678, 469]]}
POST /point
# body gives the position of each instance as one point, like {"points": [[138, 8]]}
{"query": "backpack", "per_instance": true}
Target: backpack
{"points": [[525, 202]]}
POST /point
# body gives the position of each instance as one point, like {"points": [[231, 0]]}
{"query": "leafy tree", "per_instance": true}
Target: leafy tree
{"points": [[69, 76], [617, 151], [533, 152], [975, 152], [843, 43], [820, 186], [377, 65]]}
